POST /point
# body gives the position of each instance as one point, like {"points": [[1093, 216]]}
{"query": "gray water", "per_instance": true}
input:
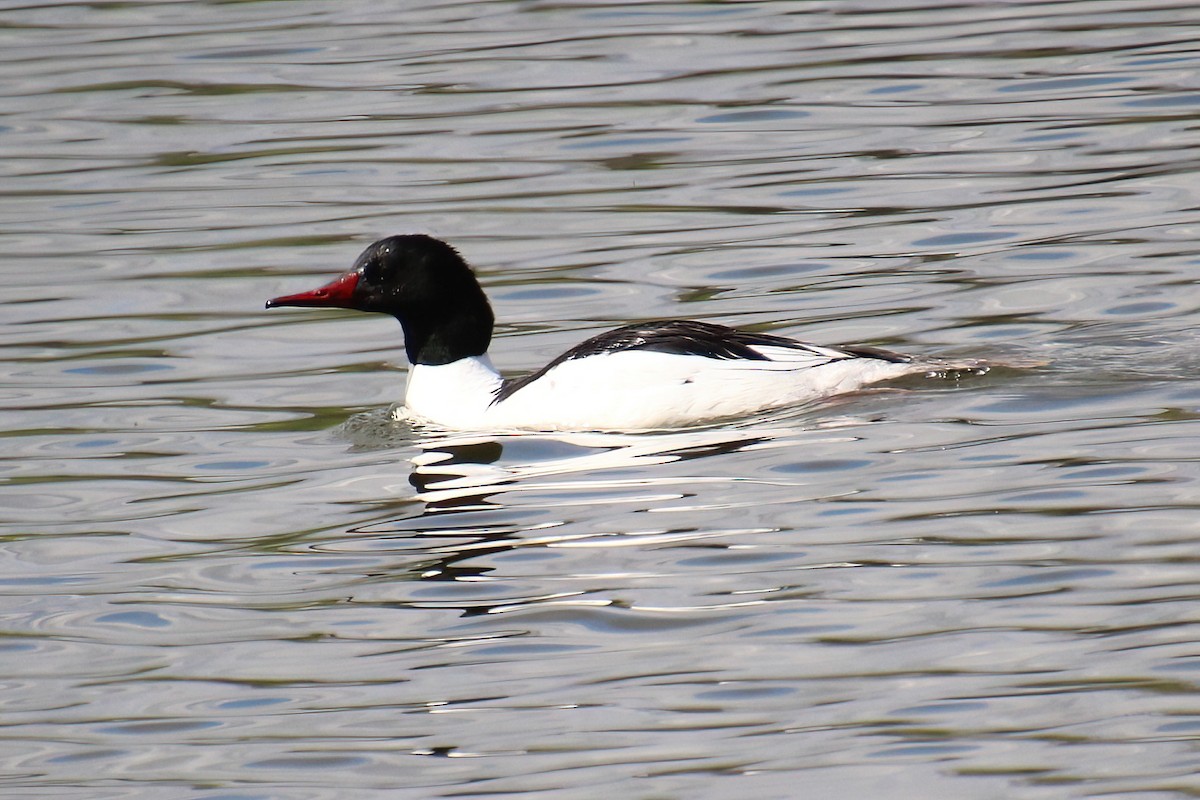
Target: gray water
{"points": [[225, 575]]}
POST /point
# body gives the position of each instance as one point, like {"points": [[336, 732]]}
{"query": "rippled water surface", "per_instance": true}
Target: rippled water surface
{"points": [[225, 575]]}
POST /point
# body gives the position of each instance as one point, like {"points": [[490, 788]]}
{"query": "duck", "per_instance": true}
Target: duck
{"points": [[655, 375]]}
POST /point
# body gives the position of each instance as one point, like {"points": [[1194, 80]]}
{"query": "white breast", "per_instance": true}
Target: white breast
{"points": [[454, 395]]}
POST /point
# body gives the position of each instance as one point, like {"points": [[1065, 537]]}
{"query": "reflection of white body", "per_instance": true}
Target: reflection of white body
{"points": [[450, 472], [460, 469], [638, 389]]}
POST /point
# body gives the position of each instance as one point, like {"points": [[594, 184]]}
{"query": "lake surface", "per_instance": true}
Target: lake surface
{"points": [[226, 576]]}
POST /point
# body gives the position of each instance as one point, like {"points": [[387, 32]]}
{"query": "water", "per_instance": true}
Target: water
{"points": [[224, 575]]}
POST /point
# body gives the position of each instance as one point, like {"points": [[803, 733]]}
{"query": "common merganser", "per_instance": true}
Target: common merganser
{"points": [[645, 376]]}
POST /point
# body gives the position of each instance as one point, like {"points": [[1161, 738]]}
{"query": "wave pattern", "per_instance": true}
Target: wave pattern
{"points": [[225, 573]]}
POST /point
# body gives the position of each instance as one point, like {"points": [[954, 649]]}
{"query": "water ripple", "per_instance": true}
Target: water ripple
{"points": [[225, 569]]}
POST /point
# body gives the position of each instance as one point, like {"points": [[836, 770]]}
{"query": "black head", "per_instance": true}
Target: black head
{"points": [[424, 283]]}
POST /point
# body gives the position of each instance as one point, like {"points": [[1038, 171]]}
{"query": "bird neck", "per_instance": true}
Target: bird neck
{"points": [[442, 333]]}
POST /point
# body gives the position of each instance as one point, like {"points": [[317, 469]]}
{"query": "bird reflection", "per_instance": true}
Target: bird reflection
{"points": [[483, 495], [454, 471], [464, 453]]}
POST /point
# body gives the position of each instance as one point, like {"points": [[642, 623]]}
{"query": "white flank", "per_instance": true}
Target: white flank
{"points": [[634, 390]]}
